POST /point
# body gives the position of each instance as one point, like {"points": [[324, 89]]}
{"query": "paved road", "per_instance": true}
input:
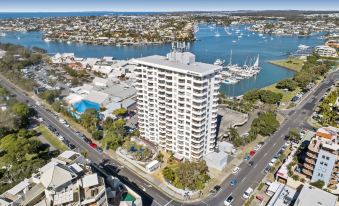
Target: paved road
{"points": [[251, 176], [247, 176], [127, 176]]}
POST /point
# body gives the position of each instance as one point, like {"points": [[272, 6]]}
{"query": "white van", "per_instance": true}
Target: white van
{"points": [[247, 193]]}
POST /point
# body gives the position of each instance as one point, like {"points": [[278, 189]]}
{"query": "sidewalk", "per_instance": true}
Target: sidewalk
{"points": [[146, 177]]}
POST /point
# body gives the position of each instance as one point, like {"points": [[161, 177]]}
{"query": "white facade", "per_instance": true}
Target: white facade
{"points": [[326, 51], [177, 101]]}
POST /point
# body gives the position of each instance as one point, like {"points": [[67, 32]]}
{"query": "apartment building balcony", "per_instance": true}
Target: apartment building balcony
{"points": [[196, 155], [198, 129], [161, 78], [311, 155], [198, 134], [310, 161], [161, 82], [198, 112], [314, 146], [308, 166], [214, 116], [198, 124], [214, 120], [197, 140], [307, 172], [198, 117]]}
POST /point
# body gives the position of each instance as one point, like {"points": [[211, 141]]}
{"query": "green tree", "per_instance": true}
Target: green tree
{"points": [[293, 134], [97, 134], [270, 97], [265, 124], [168, 174], [289, 84], [89, 119], [319, 184], [120, 112], [50, 95]]}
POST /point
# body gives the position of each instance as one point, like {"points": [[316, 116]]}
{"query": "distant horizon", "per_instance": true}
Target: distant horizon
{"points": [[42, 6], [151, 11]]}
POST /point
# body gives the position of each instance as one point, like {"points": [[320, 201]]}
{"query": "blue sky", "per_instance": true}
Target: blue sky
{"points": [[162, 5]]}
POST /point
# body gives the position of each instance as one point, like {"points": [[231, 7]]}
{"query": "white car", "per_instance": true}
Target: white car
{"points": [[247, 193], [235, 170], [61, 138], [228, 201]]}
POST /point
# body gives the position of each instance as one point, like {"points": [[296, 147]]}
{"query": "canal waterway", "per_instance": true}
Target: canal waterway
{"points": [[212, 42]]}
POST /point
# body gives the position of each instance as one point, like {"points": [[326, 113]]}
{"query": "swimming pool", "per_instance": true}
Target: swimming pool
{"points": [[84, 104]]}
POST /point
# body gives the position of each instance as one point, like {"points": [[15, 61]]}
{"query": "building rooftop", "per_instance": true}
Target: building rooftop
{"points": [[55, 176], [283, 196], [182, 62], [90, 180], [319, 197]]}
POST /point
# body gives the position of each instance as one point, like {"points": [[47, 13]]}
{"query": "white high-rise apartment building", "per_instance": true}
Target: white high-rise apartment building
{"points": [[177, 103]]}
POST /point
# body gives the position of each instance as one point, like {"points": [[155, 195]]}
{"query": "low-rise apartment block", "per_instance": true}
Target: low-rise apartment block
{"points": [[326, 51], [322, 161], [66, 181]]}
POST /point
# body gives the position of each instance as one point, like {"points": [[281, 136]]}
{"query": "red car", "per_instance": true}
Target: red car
{"points": [[93, 145], [252, 153]]}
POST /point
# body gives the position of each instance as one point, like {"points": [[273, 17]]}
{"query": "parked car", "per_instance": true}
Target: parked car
{"points": [[247, 157], [228, 201], [252, 153], [250, 163], [93, 145], [267, 169], [247, 193], [61, 138], [99, 149], [257, 147], [235, 170], [88, 141], [71, 146], [215, 189], [233, 182]]}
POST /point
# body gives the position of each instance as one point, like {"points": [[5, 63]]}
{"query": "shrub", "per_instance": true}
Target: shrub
{"points": [[319, 184]]}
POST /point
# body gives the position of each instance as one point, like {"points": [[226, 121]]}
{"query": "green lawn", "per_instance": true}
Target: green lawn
{"points": [[52, 139], [287, 95], [294, 64]]}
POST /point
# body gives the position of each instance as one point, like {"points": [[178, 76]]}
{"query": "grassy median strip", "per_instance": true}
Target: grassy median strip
{"points": [[51, 138]]}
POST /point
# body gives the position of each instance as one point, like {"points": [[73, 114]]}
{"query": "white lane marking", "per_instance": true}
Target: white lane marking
{"points": [[255, 165], [204, 202], [243, 179], [168, 202], [265, 154], [274, 144], [161, 198], [156, 203]]}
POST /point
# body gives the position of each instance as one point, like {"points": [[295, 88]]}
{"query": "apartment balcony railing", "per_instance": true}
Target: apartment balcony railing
{"points": [[309, 160], [307, 172], [311, 155], [308, 166]]}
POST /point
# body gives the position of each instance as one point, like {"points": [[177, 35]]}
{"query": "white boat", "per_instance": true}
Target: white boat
{"points": [[47, 40], [260, 34], [217, 34], [234, 41], [231, 80], [219, 62], [225, 74], [69, 42], [2, 34]]}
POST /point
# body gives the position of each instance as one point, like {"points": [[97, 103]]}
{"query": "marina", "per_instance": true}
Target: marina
{"points": [[207, 48]]}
